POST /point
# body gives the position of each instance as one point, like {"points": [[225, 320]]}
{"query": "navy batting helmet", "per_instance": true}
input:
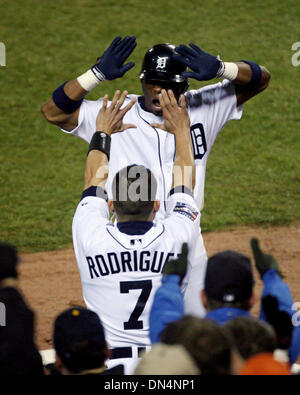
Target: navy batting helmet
{"points": [[159, 66]]}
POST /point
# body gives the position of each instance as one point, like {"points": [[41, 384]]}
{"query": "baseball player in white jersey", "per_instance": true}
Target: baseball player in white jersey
{"points": [[121, 263], [209, 108]]}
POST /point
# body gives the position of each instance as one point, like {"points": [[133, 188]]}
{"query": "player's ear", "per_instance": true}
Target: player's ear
{"points": [[110, 204], [156, 205]]}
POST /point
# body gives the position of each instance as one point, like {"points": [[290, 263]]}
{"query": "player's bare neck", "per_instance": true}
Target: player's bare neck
{"points": [[141, 101]]}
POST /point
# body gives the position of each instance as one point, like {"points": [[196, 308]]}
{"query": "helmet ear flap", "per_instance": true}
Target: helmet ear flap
{"points": [[179, 88], [185, 87]]}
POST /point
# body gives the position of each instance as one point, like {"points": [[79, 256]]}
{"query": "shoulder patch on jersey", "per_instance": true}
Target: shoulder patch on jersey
{"points": [[187, 210]]}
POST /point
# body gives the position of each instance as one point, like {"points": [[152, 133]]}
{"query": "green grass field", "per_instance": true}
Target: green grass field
{"points": [[253, 175]]}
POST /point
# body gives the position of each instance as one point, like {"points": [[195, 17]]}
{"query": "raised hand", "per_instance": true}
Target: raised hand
{"points": [[177, 266], [110, 66], [263, 262], [176, 117], [204, 66], [110, 119]]}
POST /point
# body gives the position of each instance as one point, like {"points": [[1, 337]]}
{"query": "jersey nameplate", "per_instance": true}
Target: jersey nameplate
{"points": [[127, 261]]}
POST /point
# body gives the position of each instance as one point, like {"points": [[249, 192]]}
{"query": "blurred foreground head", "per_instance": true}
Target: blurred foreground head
{"points": [[167, 360], [8, 261], [79, 340], [251, 336], [206, 342], [264, 365]]}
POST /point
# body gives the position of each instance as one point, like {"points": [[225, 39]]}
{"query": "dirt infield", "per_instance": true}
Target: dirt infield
{"points": [[50, 280]]}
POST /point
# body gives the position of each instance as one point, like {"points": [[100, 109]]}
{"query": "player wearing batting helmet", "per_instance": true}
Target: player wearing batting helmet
{"points": [[209, 108]]}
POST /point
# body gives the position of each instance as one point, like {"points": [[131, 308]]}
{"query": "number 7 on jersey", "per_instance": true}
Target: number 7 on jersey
{"points": [[146, 287]]}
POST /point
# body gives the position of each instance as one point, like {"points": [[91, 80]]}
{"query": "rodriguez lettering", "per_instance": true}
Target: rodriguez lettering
{"points": [[127, 261]]}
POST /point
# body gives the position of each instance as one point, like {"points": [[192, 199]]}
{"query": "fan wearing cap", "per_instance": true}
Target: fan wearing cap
{"points": [[80, 345], [228, 286], [228, 293], [164, 66]]}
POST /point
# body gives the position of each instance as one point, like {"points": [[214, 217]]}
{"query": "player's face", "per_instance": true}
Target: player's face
{"points": [[151, 92]]}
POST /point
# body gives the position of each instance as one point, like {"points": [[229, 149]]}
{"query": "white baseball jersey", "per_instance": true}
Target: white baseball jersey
{"points": [[210, 108], [120, 264]]}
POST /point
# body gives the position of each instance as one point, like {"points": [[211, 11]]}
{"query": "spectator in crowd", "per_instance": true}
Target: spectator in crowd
{"points": [[228, 287], [206, 342], [165, 359], [18, 352], [80, 345], [251, 336], [228, 293]]}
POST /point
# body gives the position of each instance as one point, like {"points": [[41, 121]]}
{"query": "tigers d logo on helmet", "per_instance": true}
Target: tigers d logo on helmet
{"points": [[159, 65]]}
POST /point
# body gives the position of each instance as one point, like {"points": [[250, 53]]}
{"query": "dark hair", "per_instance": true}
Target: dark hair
{"points": [[134, 191], [83, 355], [8, 261], [206, 342], [251, 336]]}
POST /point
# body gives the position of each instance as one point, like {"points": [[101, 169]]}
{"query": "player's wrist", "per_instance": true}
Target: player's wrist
{"points": [[91, 78], [104, 130], [102, 126], [100, 141], [227, 70], [63, 101], [181, 135]]}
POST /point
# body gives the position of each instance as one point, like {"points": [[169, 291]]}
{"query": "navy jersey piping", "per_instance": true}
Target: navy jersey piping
{"points": [[126, 248], [160, 162]]}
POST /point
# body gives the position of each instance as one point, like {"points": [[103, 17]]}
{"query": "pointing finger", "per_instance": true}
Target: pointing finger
{"points": [[121, 101], [115, 99], [172, 98], [105, 101], [182, 102], [129, 105]]}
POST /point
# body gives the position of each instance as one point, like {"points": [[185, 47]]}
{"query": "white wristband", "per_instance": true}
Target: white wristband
{"points": [[88, 80], [228, 70]]}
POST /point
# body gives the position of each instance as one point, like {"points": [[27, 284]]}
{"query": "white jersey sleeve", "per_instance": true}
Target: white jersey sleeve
{"points": [[210, 108], [183, 217], [86, 119], [214, 105], [91, 214], [183, 224]]}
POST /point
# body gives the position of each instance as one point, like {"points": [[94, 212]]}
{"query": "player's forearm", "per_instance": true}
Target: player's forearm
{"points": [[245, 75], [96, 171], [53, 113], [250, 80], [184, 164]]}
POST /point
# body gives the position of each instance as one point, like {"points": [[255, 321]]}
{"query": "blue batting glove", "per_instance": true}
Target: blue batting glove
{"points": [[204, 66], [110, 65]]}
